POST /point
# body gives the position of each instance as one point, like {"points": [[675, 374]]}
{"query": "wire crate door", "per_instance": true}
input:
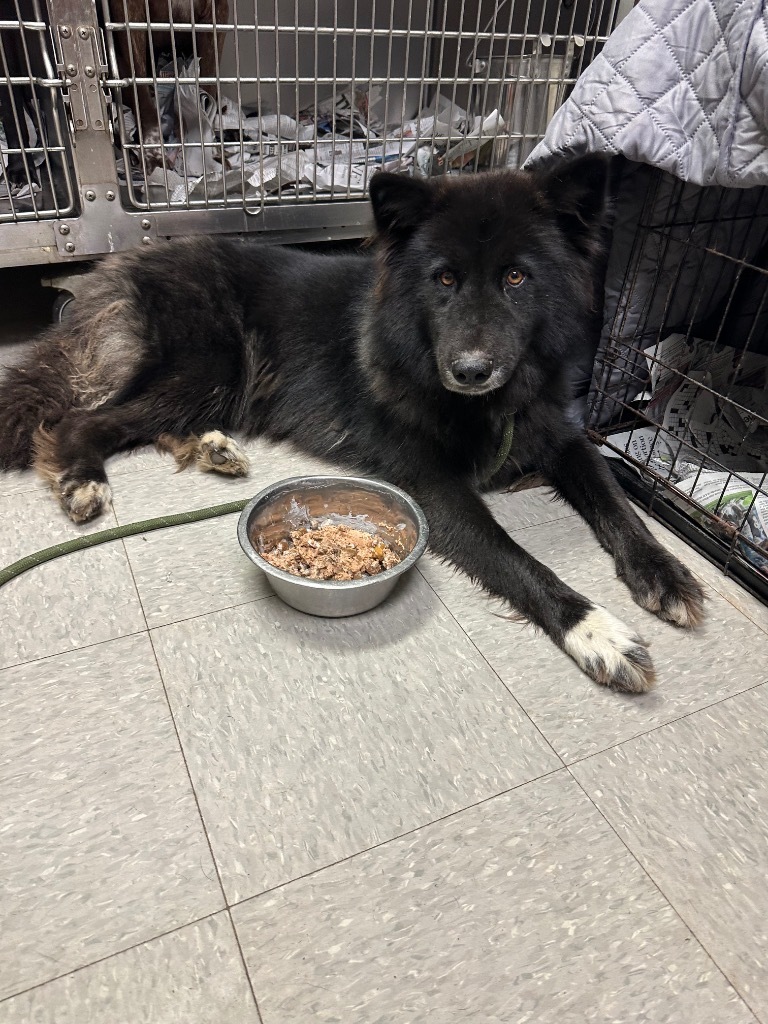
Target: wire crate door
{"points": [[35, 149]]}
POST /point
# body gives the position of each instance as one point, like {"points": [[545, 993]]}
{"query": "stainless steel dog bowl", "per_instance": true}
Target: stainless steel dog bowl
{"points": [[370, 505]]}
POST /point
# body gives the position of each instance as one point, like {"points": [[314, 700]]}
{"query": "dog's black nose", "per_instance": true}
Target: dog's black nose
{"points": [[472, 370]]}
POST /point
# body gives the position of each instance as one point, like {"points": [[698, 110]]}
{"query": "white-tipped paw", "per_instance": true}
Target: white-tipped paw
{"points": [[220, 454], [85, 500], [610, 652]]}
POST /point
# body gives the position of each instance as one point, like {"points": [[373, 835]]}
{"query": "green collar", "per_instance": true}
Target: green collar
{"points": [[504, 448]]}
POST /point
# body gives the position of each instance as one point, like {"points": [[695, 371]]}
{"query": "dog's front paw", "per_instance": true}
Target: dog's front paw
{"points": [[84, 500], [610, 652], [664, 586]]}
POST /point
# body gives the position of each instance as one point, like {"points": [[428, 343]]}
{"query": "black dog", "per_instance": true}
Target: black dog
{"points": [[419, 366]]}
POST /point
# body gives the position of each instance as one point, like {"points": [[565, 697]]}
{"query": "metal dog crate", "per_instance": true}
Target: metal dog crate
{"points": [[680, 396], [130, 120]]}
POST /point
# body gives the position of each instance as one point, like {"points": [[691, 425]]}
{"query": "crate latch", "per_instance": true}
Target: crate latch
{"points": [[82, 70]]}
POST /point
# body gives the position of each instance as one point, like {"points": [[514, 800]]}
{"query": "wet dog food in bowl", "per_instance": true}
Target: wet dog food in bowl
{"points": [[305, 534], [332, 552]]}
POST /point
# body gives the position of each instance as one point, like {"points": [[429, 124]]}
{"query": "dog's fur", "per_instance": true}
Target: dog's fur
{"points": [[356, 360]]}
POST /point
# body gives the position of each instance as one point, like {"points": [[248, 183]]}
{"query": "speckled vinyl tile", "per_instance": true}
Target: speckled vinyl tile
{"points": [[691, 802], [524, 910], [567, 546], [102, 845], [311, 739], [725, 656], [82, 598], [156, 488], [20, 481], [193, 569], [194, 974], [532, 507]]}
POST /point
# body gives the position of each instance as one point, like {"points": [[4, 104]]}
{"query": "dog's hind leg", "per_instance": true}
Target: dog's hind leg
{"points": [[79, 483], [71, 454], [211, 452]]}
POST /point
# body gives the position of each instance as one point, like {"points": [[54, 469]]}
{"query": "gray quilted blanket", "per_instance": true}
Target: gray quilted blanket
{"points": [[681, 87]]}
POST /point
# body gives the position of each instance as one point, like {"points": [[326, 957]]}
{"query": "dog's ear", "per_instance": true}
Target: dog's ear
{"points": [[579, 195], [399, 203]]}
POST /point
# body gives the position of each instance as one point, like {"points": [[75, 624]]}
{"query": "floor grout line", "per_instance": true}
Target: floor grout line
{"points": [[72, 650], [396, 838], [493, 670], [24, 490], [545, 522], [184, 618], [239, 945], [135, 585], [203, 824], [189, 774], [228, 907], [663, 895], [136, 632], [215, 611], [663, 725], [110, 956], [95, 643], [726, 597]]}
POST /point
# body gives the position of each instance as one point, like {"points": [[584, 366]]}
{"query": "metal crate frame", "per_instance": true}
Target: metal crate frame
{"points": [[695, 240], [405, 47]]}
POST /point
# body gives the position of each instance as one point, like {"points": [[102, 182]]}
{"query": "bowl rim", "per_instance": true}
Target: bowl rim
{"points": [[320, 480]]}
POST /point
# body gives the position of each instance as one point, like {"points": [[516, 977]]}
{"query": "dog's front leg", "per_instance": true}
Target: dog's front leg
{"points": [[463, 531], [656, 579]]}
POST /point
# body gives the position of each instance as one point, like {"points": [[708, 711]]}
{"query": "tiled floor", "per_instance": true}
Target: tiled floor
{"points": [[214, 809]]}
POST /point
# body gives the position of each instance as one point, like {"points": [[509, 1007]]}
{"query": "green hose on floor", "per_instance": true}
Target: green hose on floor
{"points": [[115, 533], [162, 522]]}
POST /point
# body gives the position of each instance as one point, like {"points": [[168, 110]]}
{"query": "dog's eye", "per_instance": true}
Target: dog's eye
{"points": [[515, 278], [447, 278]]}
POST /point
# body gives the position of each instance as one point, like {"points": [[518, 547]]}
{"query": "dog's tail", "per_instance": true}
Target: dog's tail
{"points": [[37, 392]]}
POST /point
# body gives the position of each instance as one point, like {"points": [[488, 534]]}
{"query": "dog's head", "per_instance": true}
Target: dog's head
{"points": [[499, 264]]}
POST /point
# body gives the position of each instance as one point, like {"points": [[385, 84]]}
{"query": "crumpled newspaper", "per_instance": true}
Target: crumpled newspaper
{"points": [[213, 148], [712, 398], [22, 190], [704, 433], [737, 501]]}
